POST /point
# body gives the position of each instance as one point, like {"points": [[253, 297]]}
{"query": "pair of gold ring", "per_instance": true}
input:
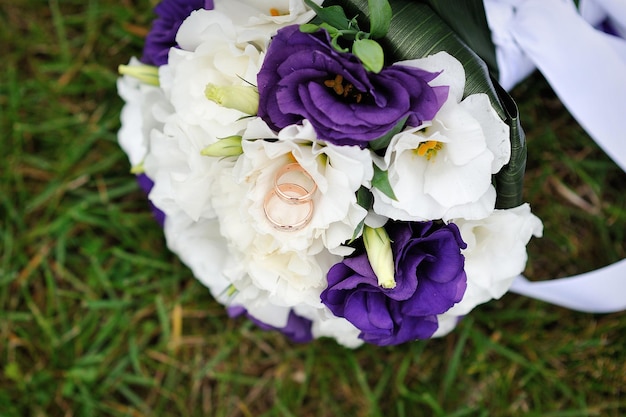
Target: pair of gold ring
{"points": [[289, 204]]}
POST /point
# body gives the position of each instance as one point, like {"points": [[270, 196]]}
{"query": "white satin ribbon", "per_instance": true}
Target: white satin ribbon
{"points": [[587, 70], [599, 291]]}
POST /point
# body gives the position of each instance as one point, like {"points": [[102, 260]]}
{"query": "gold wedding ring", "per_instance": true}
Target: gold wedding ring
{"points": [[288, 205], [295, 171], [289, 220]]}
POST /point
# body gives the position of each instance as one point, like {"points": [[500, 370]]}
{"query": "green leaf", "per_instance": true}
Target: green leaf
{"points": [[332, 31], [469, 20], [370, 53], [364, 198], [333, 15], [334, 41], [509, 182], [381, 181], [380, 17], [383, 141]]}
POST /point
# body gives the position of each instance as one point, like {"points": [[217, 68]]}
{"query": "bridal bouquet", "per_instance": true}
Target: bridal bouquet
{"points": [[328, 170]]}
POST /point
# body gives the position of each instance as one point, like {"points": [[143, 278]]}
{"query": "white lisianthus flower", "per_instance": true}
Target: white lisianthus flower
{"points": [[265, 271], [443, 169], [183, 177], [145, 109], [258, 20], [201, 247], [281, 279], [278, 267], [202, 61], [337, 171], [269, 314], [494, 257]]}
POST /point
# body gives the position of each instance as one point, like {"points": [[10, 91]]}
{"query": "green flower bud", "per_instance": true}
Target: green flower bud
{"points": [[378, 248], [229, 146], [147, 74], [239, 97]]}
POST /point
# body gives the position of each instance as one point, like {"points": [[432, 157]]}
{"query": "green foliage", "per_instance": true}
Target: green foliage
{"points": [[98, 318], [469, 21], [380, 17], [370, 53], [341, 28], [380, 181]]}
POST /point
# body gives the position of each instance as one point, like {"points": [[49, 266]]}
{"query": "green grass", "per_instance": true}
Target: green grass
{"points": [[98, 318]]}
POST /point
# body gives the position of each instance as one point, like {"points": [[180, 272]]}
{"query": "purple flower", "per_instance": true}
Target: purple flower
{"points": [[430, 278], [298, 329], [162, 35], [146, 185], [303, 77]]}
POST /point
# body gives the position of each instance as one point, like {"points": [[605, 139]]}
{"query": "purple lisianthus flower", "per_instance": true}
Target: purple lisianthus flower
{"points": [[304, 77], [162, 35], [430, 279], [298, 329], [146, 185]]}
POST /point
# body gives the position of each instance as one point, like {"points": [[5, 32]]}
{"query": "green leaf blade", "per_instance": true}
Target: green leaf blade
{"points": [[333, 15], [381, 182], [469, 21], [380, 17]]}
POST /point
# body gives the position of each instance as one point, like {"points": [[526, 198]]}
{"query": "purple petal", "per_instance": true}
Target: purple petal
{"points": [[430, 279]]}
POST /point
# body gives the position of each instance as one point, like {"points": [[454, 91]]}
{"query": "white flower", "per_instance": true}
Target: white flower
{"points": [[201, 247], [205, 26], [325, 324], [258, 20], [269, 314], [183, 177], [287, 268], [282, 279], [145, 109], [338, 172], [495, 255], [188, 73], [443, 169], [265, 271]]}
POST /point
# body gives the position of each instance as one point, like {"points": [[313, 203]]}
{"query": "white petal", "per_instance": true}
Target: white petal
{"points": [[453, 185], [495, 130], [496, 253], [452, 72]]}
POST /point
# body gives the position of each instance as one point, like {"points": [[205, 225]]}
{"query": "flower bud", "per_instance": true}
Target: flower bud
{"points": [[378, 248], [147, 74], [238, 97], [229, 146]]}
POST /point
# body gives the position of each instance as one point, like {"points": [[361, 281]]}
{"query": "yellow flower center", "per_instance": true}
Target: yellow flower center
{"points": [[429, 148], [275, 12], [346, 90]]}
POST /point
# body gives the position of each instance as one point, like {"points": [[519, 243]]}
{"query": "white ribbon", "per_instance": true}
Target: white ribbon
{"points": [[587, 70], [599, 291]]}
